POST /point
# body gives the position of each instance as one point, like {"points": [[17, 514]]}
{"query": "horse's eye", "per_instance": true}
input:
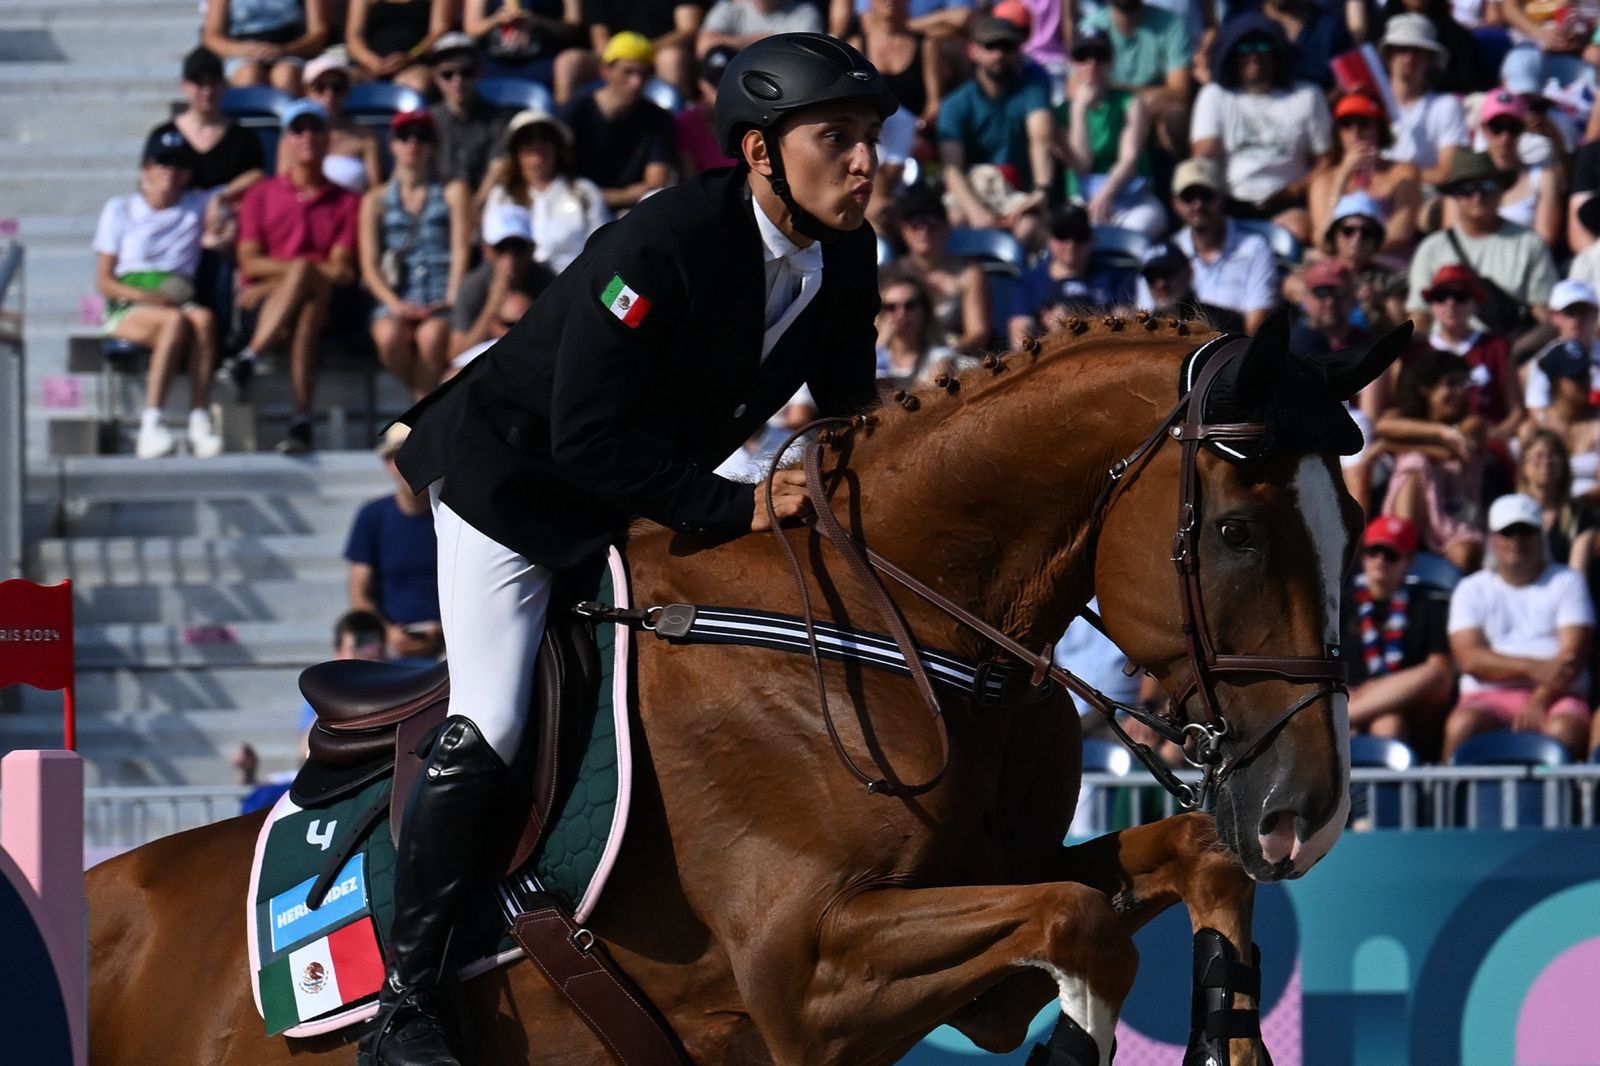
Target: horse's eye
{"points": [[1235, 534]]}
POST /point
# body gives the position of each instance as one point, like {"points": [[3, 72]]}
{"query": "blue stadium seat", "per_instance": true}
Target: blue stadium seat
{"points": [[516, 94], [664, 95], [885, 251], [256, 108], [1482, 804], [1379, 802], [1105, 757], [123, 355], [997, 250], [373, 103], [1283, 243], [1118, 249]]}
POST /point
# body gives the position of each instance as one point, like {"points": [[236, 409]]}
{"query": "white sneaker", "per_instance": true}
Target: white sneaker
{"points": [[204, 441], [155, 441]]}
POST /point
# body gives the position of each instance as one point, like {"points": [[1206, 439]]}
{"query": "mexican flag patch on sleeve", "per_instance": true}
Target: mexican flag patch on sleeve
{"points": [[624, 302]]}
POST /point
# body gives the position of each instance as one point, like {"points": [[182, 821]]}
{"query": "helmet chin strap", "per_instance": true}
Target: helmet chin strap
{"points": [[803, 220]]}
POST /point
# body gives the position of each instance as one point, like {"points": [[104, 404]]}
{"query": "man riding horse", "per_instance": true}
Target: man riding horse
{"points": [[644, 365]]}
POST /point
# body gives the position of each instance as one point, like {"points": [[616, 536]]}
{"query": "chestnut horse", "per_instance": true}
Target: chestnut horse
{"points": [[772, 908]]}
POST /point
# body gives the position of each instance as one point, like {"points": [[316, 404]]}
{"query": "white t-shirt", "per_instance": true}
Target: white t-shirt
{"points": [[564, 215], [1521, 620], [1536, 393], [1269, 140], [1243, 278], [144, 239], [1426, 125]]}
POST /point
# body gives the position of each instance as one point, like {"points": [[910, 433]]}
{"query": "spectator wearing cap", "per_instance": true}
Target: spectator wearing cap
{"points": [[1315, 33], [297, 240], [695, 125], [388, 39], [671, 26], [1000, 117], [415, 240], [1437, 481], [1494, 392], [911, 62], [1512, 264], [1535, 196], [1166, 286], [1401, 680], [1430, 126], [1465, 68], [1356, 165], [392, 556], [508, 266], [1354, 234], [1063, 277], [741, 23], [1104, 134], [538, 172], [1267, 130], [1325, 326], [1567, 375], [622, 142], [265, 42], [1521, 631], [1572, 314], [537, 40], [354, 160], [147, 247], [470, 130], [959, 293], [1231, 268]]}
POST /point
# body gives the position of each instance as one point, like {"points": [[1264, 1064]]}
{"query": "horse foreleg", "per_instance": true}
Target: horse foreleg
{"points": [[892, 964], [1142, 872]]}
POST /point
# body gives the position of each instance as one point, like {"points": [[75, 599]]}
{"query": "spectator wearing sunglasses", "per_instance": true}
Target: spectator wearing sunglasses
{"points": [[1430, 127], [1401, 680], [1316, 33], [469, 129], [909, 351], [353, 159], [1536, 195], [416, 236], [1268, 131], [1000, 117], [1494, 392], [1064, 277], [1521, 632], [508, 266], [297, 239], [1150, 56], [1231, 268], [1104, 137], [1354, 235], [1356, 165], [1503, 254]]}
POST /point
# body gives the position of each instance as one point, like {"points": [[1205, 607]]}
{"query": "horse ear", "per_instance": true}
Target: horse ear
{"points": [[1264, 359], [1350, 371]]}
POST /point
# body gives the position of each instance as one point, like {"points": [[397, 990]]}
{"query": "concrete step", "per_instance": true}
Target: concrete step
{"points": [[254, 517], [190, 561], [56, 106], [228, 687], [84, 190], [349, 474], [154, 646], [200, 605], [37, 12], [165, 747]]}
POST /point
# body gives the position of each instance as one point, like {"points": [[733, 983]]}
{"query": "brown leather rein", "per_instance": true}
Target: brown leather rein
{"points": [[1205, 735]]}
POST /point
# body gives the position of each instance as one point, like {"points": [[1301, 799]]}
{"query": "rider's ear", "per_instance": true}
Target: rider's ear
{"points": [[1354, 369], [754, 146], [1264, 358]]}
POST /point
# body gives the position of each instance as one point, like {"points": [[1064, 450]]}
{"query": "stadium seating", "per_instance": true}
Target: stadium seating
{"points": [[1285, 245], [256, 108], [1003, 260], [516, 94], [1482, 804], [1379, 802]]}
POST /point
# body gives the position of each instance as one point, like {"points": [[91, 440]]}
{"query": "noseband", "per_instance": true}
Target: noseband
{"points": [[1209, 740]]}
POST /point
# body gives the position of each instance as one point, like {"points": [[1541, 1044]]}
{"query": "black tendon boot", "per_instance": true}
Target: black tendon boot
{"points": [[1069, 1045], [1213, 1019], [442, 843]]}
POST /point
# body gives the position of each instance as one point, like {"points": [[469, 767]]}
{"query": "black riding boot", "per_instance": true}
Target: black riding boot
{"points": [[442, 843]]}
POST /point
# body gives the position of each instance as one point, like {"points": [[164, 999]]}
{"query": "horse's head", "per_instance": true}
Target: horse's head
{"points": [[1273, 537]]}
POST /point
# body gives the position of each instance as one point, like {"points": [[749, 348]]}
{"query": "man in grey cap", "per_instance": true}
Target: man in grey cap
{"points": [[1231, 268], [1002, 116], [469, 128]]}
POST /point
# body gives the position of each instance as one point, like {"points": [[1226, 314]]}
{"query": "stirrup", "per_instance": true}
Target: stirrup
{"points": [[404, 999], [1213, 1019], [1069, 1045]]}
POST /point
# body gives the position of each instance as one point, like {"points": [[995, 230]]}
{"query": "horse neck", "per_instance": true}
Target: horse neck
{"points": [[988, 495]]}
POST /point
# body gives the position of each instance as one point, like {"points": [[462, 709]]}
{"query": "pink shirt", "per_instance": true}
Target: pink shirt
{"points": [[291, 224], [699, 141]]}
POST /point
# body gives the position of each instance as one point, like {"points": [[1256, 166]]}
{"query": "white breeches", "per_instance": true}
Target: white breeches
{"points": [[492, 602]]}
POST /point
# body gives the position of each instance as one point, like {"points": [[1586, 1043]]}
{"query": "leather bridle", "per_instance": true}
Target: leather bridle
{"points": [[1209, 740]]}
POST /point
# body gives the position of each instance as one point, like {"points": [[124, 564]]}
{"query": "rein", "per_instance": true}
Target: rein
{"points": [[1209, 732]]}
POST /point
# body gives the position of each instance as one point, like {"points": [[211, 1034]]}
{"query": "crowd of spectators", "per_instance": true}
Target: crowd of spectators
{"points": [[1361, 163]]}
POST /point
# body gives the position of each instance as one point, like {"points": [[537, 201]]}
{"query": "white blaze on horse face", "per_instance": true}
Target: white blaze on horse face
{"points": [[1318, 499], [1094, 1015]]}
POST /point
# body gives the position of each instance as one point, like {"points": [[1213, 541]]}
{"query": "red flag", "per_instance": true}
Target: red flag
{"points": [[36, 634]]}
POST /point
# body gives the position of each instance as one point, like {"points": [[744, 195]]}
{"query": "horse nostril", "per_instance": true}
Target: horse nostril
{"points": [[1277, 835]]}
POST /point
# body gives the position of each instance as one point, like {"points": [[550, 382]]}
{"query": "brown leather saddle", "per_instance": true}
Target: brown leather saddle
{"points": [[376, 718]]}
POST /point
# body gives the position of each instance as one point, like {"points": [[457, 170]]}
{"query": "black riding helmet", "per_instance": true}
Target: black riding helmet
{"points": [[784, 73]]}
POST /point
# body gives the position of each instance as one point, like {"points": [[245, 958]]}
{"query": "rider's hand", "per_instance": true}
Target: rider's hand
{"points": [[788, 499]]}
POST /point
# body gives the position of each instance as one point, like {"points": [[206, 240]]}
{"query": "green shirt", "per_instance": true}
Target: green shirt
{"points": [[1158, 45], [1106, 119]]}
